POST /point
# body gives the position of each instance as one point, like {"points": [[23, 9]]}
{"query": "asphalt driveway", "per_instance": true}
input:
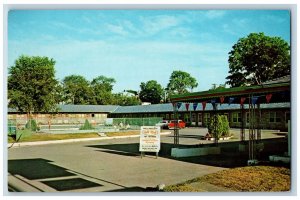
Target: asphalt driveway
{"points": [[113, 165], [108, 165]]}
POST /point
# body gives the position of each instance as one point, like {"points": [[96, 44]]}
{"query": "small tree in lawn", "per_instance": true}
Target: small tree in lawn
{"points": [[87, 126]]}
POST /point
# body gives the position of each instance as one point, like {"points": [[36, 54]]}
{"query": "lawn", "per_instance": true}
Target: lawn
{"points": [[243, 179], [125, 133], [45, 137], [28, 136]]}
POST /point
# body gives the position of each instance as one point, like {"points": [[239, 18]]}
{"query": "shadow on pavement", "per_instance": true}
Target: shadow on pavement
{"points": [[42, 169], [229, 157], [187, 136], [71, 184], [36, 169], [136, 189], [131, 189]]}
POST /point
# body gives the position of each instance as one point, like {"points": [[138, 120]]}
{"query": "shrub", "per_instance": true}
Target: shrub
{"points": [[86, 126], [222, 125], [32, 125]]}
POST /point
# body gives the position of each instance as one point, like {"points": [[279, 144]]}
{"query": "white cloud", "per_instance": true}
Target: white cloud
{"points": [[241, 22], [181, 31], [213, 14], [86, 19], [118, 29], [62, 25], [153, 25], [130, 63], [236, 27], [273, 19], [148, 26], [230, 29]]}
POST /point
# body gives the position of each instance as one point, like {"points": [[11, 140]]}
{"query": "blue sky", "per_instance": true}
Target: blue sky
{"points": [[135, 46]]}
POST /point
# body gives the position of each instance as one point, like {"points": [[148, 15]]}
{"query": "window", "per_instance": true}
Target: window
{"points": [[236, 117], [199, 117], [93, 115], [287, 117], [167, 116], [226, 114], [193, 117], [206, 118], [186, 117], [273, 117]]}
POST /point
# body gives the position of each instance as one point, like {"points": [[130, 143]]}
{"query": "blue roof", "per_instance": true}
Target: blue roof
{"points": [[154, 108], [81, 108], [159, 108], [87, 108], [283, 79]]}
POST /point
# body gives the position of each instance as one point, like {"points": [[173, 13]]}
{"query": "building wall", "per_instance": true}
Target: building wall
{"points": [[234, 117], [63, 118], [270, 118]]}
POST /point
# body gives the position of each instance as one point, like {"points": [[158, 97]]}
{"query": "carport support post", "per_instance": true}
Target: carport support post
{"points": [[176, 134], [215, 123], [258, 127], [242, 132], [251, 128]]}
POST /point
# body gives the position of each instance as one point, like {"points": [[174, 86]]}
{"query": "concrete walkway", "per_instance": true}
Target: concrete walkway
{"points": [[103, 165], [109, 164]]}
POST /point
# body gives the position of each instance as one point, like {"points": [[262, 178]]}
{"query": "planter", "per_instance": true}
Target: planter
{"points": [[222, 138], [189, 152]]}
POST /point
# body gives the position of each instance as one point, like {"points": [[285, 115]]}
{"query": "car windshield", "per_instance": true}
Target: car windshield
{"points": [[174, 121]]}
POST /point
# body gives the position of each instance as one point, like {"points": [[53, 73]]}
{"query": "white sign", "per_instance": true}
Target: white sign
{"points": [[150, 139]]}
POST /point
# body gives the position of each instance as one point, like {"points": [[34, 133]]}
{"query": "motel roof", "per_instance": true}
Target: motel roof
{"points": [[81, 108], [154, 108], [161, 108]]}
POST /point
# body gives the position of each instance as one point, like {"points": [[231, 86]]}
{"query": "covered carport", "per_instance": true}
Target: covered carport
{"points": [[249, 99]]}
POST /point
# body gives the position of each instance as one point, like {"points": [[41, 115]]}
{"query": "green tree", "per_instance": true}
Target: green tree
{"points": [[151, 92], [258, 58], [218, 87], [180, 82], [87, 126], [220, 124], [102, 89], [125, 100], [77, 90], [32, 85]]}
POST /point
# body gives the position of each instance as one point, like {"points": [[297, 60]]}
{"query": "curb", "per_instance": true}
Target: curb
{"points": [[22, 144], [17, 185]]}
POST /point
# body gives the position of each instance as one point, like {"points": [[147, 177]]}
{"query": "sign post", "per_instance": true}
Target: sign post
{"points": [[149, 139]]}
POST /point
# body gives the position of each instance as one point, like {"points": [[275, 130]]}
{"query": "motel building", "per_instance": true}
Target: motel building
{"points": [[269, 103]]}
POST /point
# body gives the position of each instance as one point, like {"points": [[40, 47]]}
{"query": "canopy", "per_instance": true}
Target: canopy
{"points": [[268, 93]]}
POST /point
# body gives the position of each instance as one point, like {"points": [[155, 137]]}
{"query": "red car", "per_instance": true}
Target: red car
{"points": [[172, 124]]}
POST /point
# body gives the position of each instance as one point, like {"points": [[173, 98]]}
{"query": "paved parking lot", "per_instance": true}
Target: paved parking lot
{"points": [[106, 165]]}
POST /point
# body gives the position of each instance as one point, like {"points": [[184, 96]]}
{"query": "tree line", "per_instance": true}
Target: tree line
{"points": [[75, 89], [32, 86]]}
